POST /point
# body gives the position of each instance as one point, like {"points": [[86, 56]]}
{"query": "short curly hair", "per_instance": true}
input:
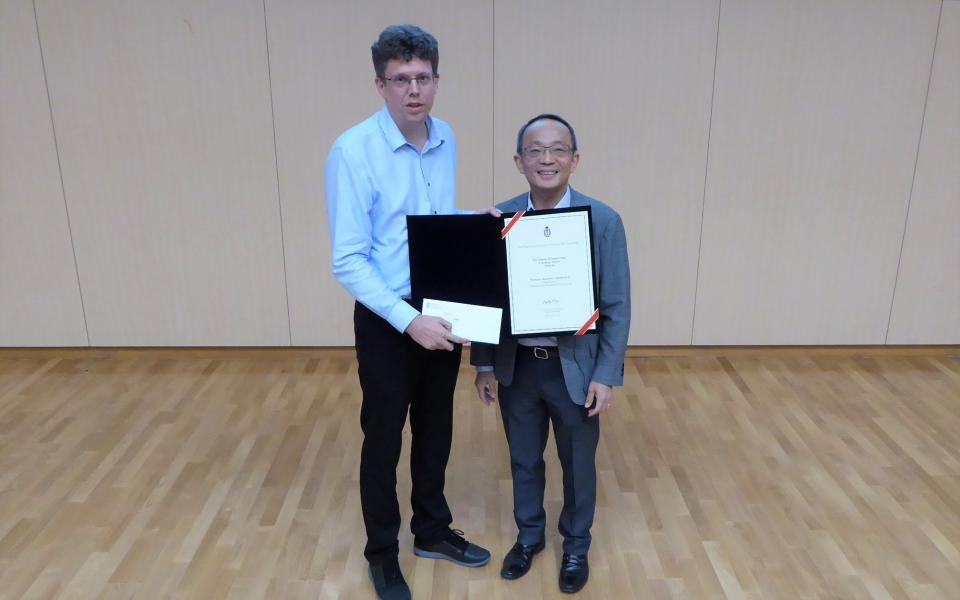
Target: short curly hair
{"points": [[404, 42]]}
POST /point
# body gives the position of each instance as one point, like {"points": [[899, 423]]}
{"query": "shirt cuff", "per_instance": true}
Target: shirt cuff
{"points": [[484, 369], [402, 315]]}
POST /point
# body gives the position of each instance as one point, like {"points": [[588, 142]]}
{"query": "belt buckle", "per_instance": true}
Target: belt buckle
{"points": [[537, 351]]}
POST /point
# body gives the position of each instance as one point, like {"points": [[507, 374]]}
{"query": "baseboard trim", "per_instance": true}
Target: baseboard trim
{"points": [[263, 352]]}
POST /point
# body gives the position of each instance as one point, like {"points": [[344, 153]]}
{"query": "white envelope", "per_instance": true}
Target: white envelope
{"points": [[471, 321]]}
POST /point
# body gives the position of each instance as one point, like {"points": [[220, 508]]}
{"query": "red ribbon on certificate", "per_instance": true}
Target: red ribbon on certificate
{"points": [[586, 326], [511, 223]]}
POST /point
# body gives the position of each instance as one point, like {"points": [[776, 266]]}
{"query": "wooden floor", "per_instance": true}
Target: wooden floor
{"points": [[722, 475]]}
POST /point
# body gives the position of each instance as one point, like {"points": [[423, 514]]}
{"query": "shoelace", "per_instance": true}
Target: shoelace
{"points": [[456, 537], [572, 562]]}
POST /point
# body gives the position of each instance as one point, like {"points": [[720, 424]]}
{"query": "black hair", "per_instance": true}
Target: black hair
{"points": [[550, 117], [404, 42]]}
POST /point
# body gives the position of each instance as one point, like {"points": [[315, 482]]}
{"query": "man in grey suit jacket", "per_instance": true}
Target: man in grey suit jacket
{"points": [[567, 380]]}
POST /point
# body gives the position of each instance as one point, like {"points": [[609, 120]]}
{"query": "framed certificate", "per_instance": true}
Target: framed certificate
{"points": [[536, 266], [551, 281]]}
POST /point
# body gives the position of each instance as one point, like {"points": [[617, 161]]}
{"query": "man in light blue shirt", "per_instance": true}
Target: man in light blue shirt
{"points": [[400, 161], [375, 178]]}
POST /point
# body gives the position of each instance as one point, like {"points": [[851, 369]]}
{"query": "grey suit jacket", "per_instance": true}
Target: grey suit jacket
{"points": [[591, 357]]}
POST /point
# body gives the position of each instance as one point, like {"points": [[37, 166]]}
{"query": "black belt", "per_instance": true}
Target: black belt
{"points": [[541, 352]]}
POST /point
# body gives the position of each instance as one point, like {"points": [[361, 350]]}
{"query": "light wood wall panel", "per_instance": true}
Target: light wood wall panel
{"points": [[163, 115], [323, 83], [926, 306], [189, 229], [39, 295], [816, 120], [634, 79]]}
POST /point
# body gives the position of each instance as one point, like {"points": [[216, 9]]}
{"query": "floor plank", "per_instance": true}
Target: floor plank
{"points": [[722, 474]]}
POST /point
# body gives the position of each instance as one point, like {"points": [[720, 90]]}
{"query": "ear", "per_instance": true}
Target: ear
{"points": [[380, 85], [519, 162], [574, 161]]}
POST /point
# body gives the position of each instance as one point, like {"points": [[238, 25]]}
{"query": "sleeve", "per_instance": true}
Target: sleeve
{"points": [[350, 199], [614, 306], [481, 356]]}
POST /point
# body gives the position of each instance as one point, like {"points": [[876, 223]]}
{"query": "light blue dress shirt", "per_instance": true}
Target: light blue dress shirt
{"points": [[374, 179]]}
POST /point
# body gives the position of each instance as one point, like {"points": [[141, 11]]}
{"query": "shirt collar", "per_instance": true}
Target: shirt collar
{"points": [[395, 138], [564, 202]]}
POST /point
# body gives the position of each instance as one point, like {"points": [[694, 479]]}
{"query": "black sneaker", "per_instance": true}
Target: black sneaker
{"points": [[388, 581], [454, 548]]}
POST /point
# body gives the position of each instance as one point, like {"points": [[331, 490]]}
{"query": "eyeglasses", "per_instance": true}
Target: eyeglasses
{"points": [[558, 152], [402, 82]]}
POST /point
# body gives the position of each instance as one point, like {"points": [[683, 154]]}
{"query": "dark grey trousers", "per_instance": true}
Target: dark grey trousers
{"points": [[536, 398]]}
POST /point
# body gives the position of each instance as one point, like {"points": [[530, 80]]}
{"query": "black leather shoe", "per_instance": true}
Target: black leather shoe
{"points": [[517, 562], [454, 548], [574, 573], [388, 581]]}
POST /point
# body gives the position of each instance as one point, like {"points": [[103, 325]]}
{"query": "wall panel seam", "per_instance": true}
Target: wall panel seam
{"points": [[706, 171], [63, 188], [493, 99], [913, 180], [276, 167]]}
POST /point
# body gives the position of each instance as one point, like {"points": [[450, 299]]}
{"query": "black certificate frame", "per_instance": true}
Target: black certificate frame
{"points": [[463, 258], [593, 277]]}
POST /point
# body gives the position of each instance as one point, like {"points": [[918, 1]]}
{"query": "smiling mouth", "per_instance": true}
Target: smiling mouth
{"points": [[547, 173]]}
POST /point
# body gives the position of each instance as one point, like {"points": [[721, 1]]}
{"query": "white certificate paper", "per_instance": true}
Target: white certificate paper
{"points": [[471, 321], [550, 273]]}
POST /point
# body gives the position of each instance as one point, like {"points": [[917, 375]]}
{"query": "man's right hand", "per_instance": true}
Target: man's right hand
{"points": [[493, 211], [433, 333], [487, 386]]}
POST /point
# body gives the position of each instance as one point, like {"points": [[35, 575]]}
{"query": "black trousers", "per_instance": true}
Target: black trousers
{"points": [[397, 375]]}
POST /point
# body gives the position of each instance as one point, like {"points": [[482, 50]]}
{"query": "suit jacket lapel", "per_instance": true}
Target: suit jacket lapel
{"points": [[577, 199], [516, 203]]}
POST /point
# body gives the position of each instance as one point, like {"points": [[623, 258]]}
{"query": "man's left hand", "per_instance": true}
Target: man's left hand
{"points": [[493, 211], [599, 398], [486, 383]]}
